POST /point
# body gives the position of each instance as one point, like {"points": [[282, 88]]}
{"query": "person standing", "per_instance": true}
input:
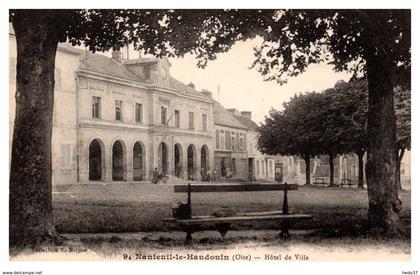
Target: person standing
{"points": [[155, 178]]}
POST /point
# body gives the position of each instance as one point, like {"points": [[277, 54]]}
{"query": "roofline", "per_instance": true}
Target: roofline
{"points": [[132, 83], [100, 76], [224, 125], [179, 93], [72, 51]]}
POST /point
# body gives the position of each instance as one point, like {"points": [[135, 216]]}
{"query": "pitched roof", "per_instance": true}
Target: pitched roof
{"points": [[247, 122], [225, 118], [185, 89], [104, 65]]}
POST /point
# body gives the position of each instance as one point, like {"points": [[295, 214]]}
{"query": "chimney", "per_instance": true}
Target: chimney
{"points": [[207, 93], [116, 55], [246, 114], [233, 111], [191, 85]]}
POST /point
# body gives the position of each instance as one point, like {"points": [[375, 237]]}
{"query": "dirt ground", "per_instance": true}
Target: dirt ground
{"points": [[123, 222], [119, 207]]}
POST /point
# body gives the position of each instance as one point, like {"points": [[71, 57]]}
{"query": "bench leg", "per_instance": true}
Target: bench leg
{"points": [[188, 237], [284, 234], [223, 228]]}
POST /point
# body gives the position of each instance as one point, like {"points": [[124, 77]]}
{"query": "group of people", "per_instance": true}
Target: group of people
{"points": [[158, 177], [205, 175]]}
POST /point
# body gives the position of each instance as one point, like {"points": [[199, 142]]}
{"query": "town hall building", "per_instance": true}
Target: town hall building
{"points": [[118, 120]]}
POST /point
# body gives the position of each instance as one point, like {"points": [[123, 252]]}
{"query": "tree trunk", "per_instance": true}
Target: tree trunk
{"points": [[30, 201], [398, 169], [331, 162], [360, 175], [308, 169], [384, 205]]}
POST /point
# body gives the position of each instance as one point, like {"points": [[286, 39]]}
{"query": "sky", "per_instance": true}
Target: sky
{"points": [[243, 88]]}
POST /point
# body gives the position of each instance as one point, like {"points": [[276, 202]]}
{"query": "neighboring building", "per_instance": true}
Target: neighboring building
{"points": [[346, 167], [230, 155], [261, 166], [64, 137]]}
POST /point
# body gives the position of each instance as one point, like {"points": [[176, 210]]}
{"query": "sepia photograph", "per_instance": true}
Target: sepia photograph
{"points": [[263, 135]]}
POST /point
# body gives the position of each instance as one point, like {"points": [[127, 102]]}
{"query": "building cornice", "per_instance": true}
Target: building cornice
{"points": [[229, 126], [109, 78], [177, 93], [105, 125], [112, 126], [175, 132]]}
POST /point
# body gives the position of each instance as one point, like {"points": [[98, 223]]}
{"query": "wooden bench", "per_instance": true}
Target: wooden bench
{"points": [[347, 182], [191, 224], [320, 181]]}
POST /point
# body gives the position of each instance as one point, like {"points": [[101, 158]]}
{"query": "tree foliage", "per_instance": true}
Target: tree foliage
{"points": [[293, 131], [332, 122]]}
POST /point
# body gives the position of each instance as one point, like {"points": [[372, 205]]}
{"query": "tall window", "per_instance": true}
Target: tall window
{"points": [[236, 141], [118, 107], [96, 107], [177, 119], [204, 122], [163, 118], [227, 140], [217, 139], [222, 140], [139, 113], [233, 142], [258, 167], [191, 120], [242, 142]]}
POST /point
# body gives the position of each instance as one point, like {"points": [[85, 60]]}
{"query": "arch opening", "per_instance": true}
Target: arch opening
{"points": [[163, 158], [118, 162], [205, 168], [139, 166], [178, 160], [96, 161], [190, 162]]}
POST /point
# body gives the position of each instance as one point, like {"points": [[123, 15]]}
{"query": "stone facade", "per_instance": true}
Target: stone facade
{"points": [[118, 120], [346, 167], [261, 166], [230, 156]]}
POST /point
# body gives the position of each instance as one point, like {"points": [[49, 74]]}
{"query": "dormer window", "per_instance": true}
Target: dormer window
{"points": [[163, 116], [147, 72], [118, 107]]}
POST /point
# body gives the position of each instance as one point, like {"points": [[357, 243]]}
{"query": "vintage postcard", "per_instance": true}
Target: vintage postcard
{"points": [[209, 135]]}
